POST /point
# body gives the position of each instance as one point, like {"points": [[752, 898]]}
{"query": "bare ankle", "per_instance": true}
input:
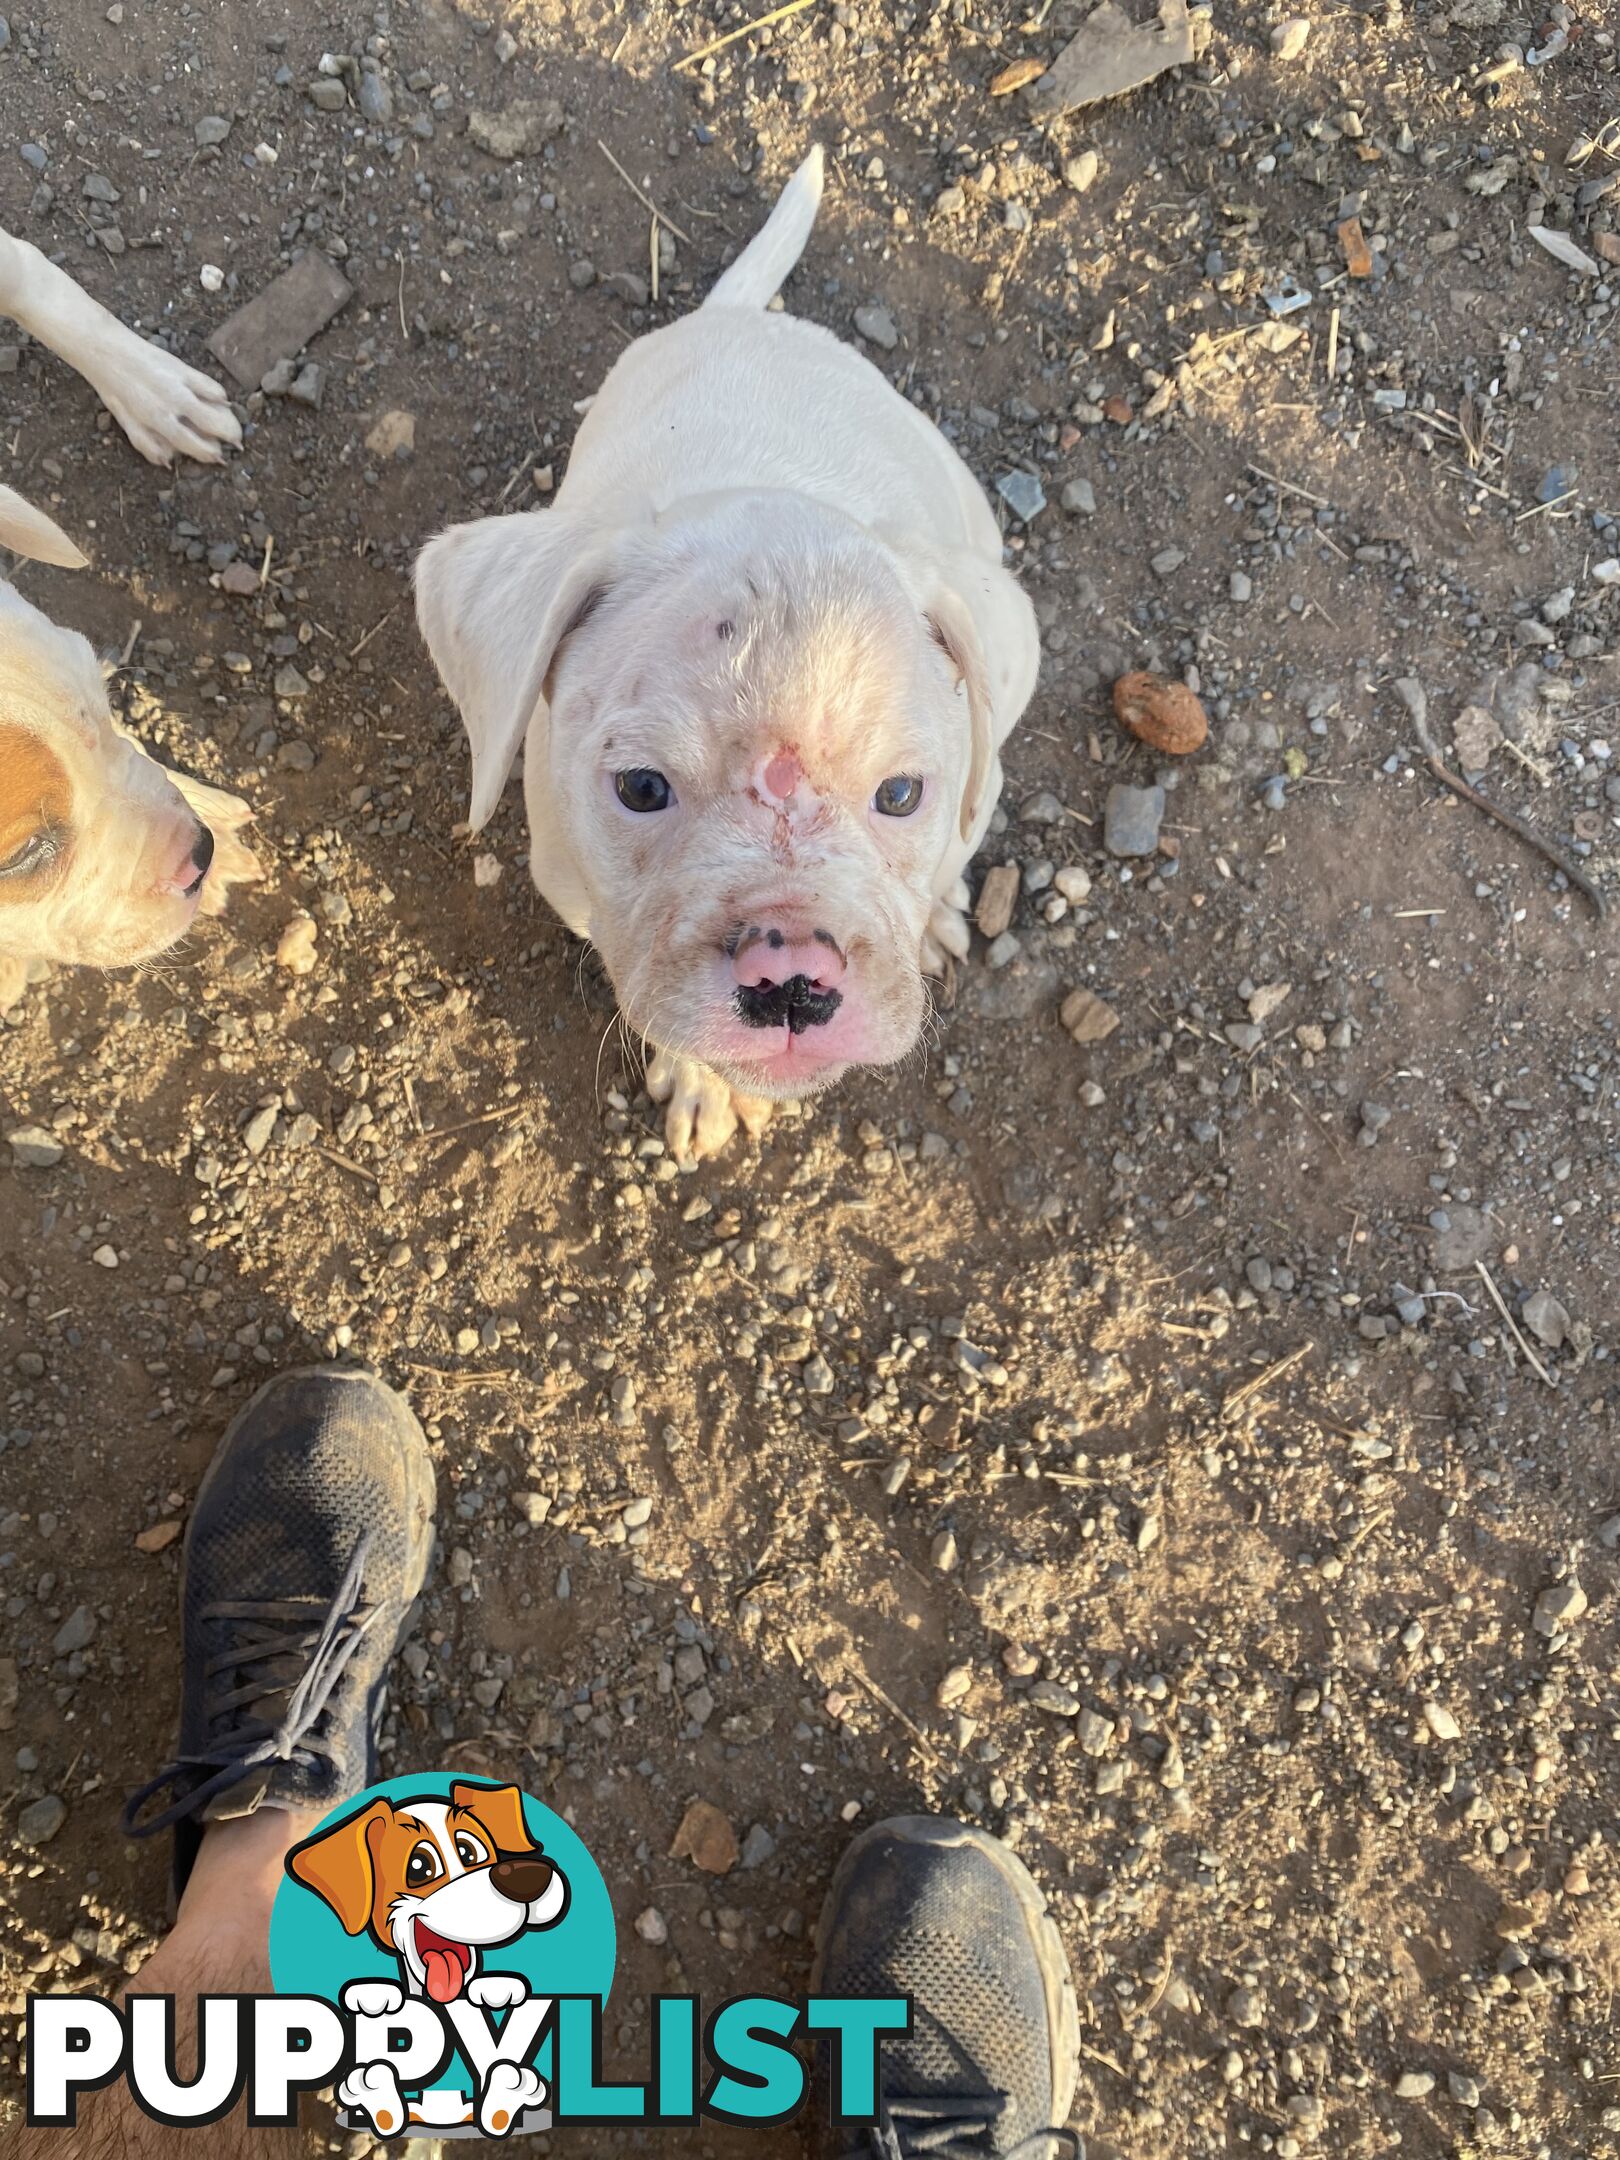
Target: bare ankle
{"points": [[238, 1869]]}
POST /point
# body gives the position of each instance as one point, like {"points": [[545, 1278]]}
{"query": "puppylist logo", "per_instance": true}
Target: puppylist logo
{"points": [[441, 1952]]}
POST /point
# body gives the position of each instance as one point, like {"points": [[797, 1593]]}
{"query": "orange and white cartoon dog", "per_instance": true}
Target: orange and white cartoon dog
{"points": [[437, 1882]]}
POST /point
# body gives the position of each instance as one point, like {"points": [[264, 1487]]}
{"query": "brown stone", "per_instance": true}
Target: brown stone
{"points": [[707, 1839], [998, 896], [1357, 254], [1161, 713], [1087, 1018], [280, 322], [1015, 75]]}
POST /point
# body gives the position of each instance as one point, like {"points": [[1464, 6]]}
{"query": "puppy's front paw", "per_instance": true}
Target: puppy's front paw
{"points": [[372, 2090], [373, 1998], [164, 407], [13, 981], [497, 1991], [947, 937], [701, 1112], [508, 2090]]}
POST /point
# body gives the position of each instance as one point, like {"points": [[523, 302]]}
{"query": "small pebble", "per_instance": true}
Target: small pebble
{"points": [[39, 1821], [877, 326], [1132, 819]]}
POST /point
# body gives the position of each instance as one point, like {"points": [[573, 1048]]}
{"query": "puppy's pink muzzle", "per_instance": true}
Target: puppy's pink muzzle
{"points": [[767, 954]]}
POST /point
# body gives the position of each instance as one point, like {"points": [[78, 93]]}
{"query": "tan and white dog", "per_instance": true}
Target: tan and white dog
{"points": [[436, 1883], [106, 857], [761, 657]]}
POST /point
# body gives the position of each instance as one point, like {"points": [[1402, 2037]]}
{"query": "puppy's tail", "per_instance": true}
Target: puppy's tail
{"points": [[759, 272]]}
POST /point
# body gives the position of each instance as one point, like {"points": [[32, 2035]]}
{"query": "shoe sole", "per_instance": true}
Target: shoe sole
{"points": [[1062, 2007]]}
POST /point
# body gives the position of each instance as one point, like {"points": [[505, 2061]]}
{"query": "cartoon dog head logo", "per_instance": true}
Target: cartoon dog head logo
{"points": [[435, 1881]]}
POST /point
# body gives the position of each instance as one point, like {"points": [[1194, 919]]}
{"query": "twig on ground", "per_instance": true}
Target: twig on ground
{"points": [[895, 1711], [356, 650], [1514, 823], [1241, 1397], [1513, 1326], [344, 1163], [641, 194], [484, 1117], [760, 22], [1289, 488]]}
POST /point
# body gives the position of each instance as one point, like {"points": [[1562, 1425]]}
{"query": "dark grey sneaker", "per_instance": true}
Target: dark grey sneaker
{"points": [[952, 1919], [307, 1547]]}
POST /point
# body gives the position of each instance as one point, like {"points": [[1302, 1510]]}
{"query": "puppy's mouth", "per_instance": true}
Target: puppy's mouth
{"points": [[445, 1964], [187, 880]]}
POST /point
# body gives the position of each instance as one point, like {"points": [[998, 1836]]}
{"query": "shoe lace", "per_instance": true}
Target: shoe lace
{"points": [[269, 1637], [950, 2126]]}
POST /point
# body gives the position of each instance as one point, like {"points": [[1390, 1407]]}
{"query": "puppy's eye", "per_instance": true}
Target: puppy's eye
{"points": [[422, 1867], [34, 854], [468, 1850], [899, 796], [642, 790]]}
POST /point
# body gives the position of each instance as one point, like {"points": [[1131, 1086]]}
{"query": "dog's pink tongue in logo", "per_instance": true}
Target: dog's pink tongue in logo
{"points": [[444, 1964]]}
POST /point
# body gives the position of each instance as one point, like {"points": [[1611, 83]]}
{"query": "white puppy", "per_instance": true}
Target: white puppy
{"points": [[762, 654], [162, 405], [105, 857]]}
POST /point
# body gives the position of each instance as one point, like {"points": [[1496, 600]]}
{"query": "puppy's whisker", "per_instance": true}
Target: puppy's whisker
{"points": [[615, 1024]]}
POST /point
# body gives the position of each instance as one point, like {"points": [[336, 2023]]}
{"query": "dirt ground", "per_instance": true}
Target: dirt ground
{"points": [[1121, 1446]]}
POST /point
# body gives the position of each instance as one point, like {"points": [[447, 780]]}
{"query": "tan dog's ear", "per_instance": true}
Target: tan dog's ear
{"points": [[494, 601], [337, 1865], [500, 1809], [952, 627], [30, 533]]}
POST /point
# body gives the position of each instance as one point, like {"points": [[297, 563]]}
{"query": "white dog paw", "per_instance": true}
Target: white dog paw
{"points": [[13, 981], [701, 1112], [372, 2090], [508, 2090], [165, 407], [497, 1991], [947, 936], [373, 1998]]}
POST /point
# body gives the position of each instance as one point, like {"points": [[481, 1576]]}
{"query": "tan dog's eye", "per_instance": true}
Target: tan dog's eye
{"points": [[36, 851], [899, 796], [468, 1850], [423, 1866], [643, 790]]}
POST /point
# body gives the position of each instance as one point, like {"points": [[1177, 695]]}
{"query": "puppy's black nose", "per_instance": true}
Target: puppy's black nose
{"points": [[521, 1879], [202, 854], [798, 1002]]}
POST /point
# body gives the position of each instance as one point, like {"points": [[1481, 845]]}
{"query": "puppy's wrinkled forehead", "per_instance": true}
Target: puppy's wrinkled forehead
{"points": [[815, 647], [35, 794]]}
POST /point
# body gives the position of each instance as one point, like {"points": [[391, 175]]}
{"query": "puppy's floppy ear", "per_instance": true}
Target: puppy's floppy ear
{"points": [[30, 533], [500, 1809], [952, 627], [337, 1865], [494, 600]]}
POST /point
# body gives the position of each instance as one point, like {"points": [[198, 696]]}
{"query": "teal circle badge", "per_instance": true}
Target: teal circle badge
{"points": [[442, 1914]]}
